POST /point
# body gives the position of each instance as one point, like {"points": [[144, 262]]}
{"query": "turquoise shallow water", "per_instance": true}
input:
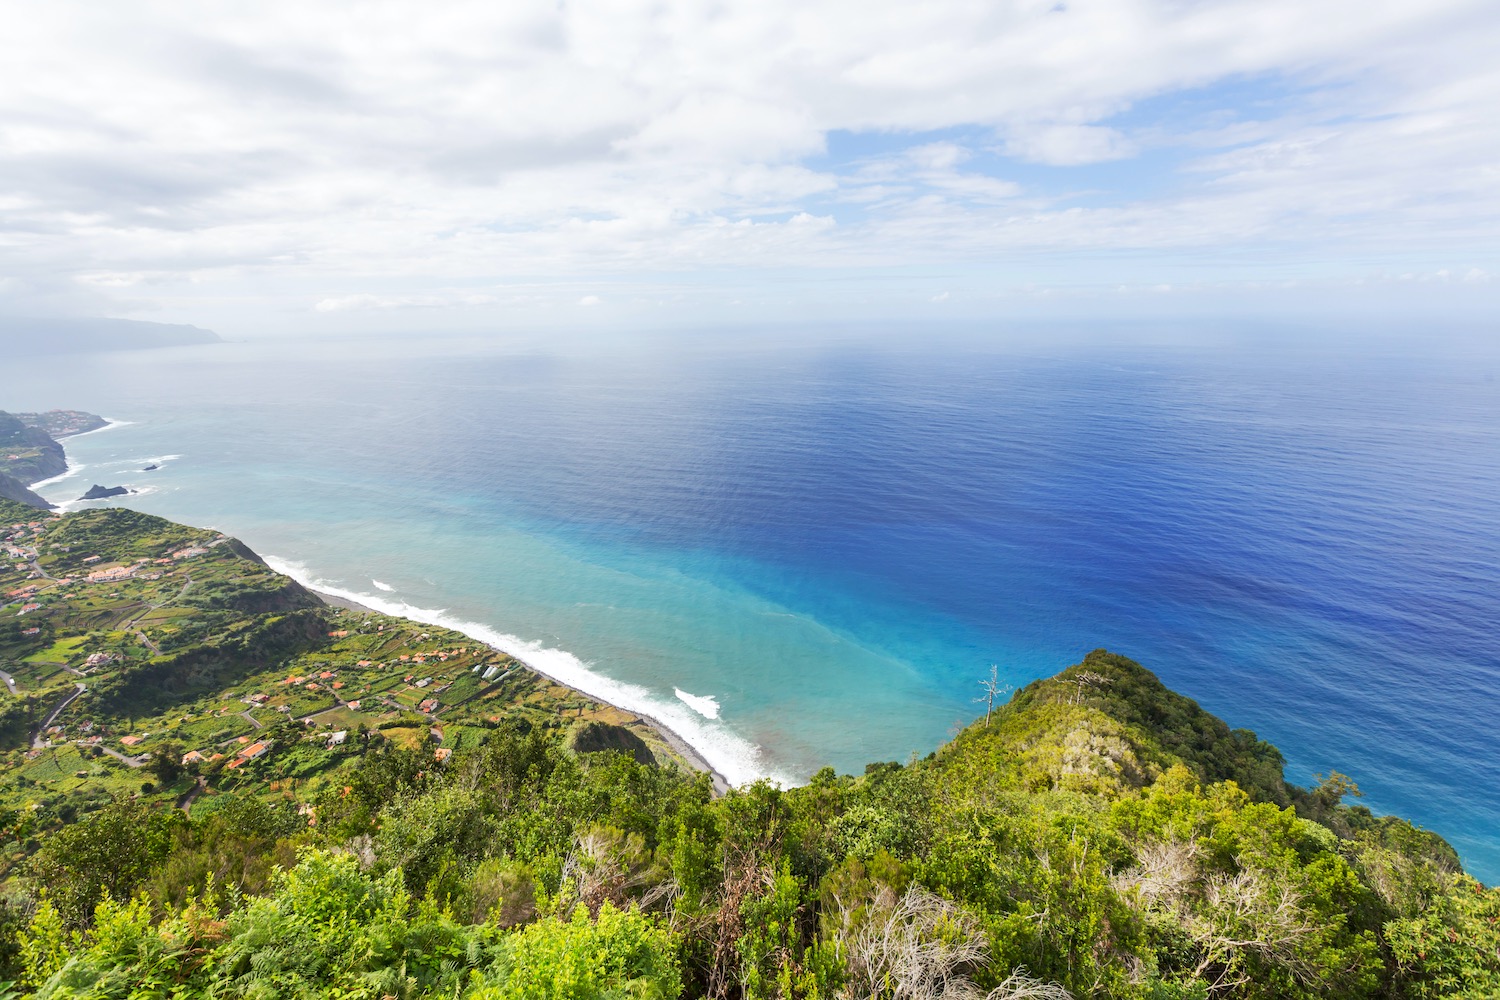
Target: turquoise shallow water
{"points": [[809, 552]]}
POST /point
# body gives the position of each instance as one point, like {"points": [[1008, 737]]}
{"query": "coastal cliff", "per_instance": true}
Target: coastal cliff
{"points": [[16, 491], [30, 453]]}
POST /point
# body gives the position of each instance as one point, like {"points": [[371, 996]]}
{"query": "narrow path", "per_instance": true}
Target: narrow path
{"points": [[185, 803], [133, 623], [127, 761], [37, 741], [10, 682], [252, 719]]}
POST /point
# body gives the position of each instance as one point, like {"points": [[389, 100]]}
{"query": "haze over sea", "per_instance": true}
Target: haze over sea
{"points": [[800, 550]]}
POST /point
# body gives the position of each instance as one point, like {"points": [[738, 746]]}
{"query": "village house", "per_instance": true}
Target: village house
{"points": [[336, 739], [193, 757], [131, 741], [429, 705], [442, 753]]}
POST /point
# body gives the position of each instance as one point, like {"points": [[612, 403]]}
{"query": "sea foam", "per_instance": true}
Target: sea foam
{"points": [[736, 758], [705, 705]]}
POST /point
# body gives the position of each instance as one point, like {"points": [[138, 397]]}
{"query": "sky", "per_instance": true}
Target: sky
{"points": [[303, 167]]}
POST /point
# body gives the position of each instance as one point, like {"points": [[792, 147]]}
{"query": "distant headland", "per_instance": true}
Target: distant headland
{"points": [[30, 337]]}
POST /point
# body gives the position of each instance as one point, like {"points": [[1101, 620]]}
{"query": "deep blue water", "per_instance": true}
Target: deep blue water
{"points": [[833, 538]]}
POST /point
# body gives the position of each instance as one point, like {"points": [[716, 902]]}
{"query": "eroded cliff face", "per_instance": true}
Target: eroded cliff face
{"points": [[13, 489], [28, 454]]}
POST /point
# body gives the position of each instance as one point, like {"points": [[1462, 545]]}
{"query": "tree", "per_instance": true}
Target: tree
{"points": [[111, 854], [166, 762], [992, 690]]}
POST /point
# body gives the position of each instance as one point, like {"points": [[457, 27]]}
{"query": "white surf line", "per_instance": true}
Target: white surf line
{"points": [[73, 470], [731, 755], [110, 423]]}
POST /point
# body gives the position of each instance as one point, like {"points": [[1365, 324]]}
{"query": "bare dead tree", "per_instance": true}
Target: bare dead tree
{"points": [[1249, 913], [1232, 919], [1166, 873], [744, 875], [923, 947], [1086, 679], [609, 866], [992, 690]]}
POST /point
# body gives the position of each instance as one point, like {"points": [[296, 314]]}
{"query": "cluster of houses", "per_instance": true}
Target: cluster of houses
{"points": [[248, 751]]}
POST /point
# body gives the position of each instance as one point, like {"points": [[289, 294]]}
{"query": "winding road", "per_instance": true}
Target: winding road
{"points": [[37, 741]]}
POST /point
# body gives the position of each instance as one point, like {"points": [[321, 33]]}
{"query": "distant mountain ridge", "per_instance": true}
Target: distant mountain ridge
{"points": [[30, 337]]}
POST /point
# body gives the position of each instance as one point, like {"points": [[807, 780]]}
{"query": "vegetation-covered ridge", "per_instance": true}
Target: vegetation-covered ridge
{"points": [[255, 795]]}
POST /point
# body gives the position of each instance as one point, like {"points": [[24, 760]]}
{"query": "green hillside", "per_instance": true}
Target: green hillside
{"points": [[257, 795]]}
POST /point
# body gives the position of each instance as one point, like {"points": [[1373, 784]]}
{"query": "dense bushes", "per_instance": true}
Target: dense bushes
{"points": [[1100, 836]]}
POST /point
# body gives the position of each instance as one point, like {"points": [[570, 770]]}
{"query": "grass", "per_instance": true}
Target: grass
{"points": [[60, 651]]}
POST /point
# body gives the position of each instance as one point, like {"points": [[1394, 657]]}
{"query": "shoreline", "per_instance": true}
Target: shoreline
{"points": [[669, 736], [679, 744]]}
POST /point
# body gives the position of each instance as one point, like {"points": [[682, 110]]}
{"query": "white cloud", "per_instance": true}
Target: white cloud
{"points": [[363, 302], [1068, 145], [294, 153]]}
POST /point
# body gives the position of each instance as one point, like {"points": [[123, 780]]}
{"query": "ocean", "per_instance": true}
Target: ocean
{"points": [[807, 547]]}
